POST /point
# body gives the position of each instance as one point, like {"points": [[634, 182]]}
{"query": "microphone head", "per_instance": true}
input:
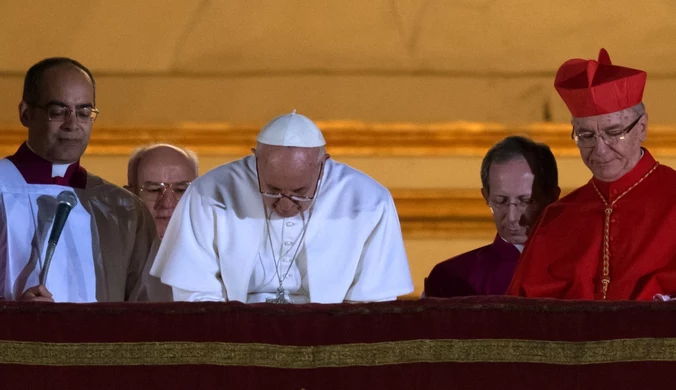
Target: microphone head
{"points": [[67, 197]]}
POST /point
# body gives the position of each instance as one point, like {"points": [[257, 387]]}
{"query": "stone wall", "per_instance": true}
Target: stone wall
{"points": [[173, 61]]}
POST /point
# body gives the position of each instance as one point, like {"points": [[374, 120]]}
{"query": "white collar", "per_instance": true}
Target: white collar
{"points": [[57, 169], [519, 247]]}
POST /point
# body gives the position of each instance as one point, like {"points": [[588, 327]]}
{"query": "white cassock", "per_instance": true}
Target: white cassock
{"points": [[216, 247], [104, 252]]}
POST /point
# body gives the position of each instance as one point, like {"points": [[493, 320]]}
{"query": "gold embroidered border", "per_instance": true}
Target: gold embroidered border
{"points": [[345, 138], [341, 355]]}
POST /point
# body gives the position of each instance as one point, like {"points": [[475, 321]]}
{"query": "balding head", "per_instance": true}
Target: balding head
{"points": [[290, 171], [150, 166], [165, 154]]}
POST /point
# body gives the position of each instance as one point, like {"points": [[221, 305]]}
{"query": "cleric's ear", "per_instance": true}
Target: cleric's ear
{"points": [[24, 113], [484, 193]]}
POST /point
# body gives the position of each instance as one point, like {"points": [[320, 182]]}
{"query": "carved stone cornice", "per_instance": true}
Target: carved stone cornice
{"points": [[347, 138]]}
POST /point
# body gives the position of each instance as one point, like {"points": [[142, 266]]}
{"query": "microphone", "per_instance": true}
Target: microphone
{"points": [[66, 201]]}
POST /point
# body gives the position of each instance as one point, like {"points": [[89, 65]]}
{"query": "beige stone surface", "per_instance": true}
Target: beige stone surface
{"points": [[121, 36], [141, 100], [168, 100], [383, 60], [221, 36]]}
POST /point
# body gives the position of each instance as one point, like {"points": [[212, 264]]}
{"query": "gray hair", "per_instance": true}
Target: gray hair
{"points": [[138, 153], [638, 109]]}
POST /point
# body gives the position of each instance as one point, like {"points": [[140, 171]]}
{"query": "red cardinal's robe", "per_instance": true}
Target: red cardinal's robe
{"points": [[564, 256]]}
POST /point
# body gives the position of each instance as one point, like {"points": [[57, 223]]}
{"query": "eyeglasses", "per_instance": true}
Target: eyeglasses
{"points": [[503, 204], [59, 113], [588, 139], [152, 191], [293, 198]]}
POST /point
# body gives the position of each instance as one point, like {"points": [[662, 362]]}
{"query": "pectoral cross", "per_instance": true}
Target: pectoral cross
{"points": [[279, 297]]}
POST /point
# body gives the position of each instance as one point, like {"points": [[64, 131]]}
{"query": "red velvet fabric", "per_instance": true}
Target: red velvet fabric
{"points": [[480, 376], [304, 325]]}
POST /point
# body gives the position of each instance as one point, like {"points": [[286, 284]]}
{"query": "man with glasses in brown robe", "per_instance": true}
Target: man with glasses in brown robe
{"points": [[160, 174], [108, 240]]}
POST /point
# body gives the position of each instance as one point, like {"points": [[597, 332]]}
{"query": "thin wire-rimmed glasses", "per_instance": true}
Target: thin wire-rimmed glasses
{"points": [[588, 139], [293, 198], [154, 191], [59, 113], [503, 204]]}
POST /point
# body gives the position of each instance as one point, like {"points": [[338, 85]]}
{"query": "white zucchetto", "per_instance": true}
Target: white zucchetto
{"points": [[291, 130]]}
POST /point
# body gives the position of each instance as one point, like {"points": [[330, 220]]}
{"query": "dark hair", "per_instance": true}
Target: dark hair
{"points": [[31, 83], [538, 155]]}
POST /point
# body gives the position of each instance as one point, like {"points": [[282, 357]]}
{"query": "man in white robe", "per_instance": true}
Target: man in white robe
{"points": [[109, 238], [285, 225]]}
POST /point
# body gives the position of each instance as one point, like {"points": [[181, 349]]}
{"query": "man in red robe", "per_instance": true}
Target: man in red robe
{"points": [[612, 238], [519, 179]]}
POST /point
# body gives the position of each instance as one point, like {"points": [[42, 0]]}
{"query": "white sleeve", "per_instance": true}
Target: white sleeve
{"points": [[383, 273], [181, 295], [187, 259]]}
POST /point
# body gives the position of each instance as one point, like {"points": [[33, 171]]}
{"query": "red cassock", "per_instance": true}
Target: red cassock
{"points": [[564, 256]]}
